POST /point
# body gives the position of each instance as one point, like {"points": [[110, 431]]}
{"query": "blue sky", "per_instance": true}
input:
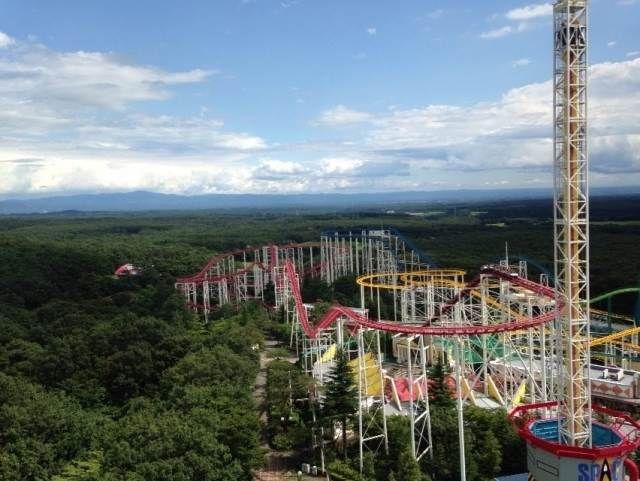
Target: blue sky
{"points": [[300, 95]]}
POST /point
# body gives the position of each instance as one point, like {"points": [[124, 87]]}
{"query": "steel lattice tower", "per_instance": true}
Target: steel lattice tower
{"points": [[571, 220]]}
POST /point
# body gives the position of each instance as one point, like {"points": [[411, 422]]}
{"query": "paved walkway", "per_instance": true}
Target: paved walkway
{"points": [[259, 386], [277, 466]]}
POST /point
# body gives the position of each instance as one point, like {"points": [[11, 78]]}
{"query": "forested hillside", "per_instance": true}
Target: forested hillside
{"points": [[105, 378]]}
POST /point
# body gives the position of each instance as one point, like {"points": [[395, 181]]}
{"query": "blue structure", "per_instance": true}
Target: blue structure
{"points": [[513, 477]]}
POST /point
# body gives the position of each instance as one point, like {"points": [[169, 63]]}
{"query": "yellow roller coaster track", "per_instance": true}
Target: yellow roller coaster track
{"points": [[614, 337], [627, 345], [402, 280], [432, 277], [621, 317]]}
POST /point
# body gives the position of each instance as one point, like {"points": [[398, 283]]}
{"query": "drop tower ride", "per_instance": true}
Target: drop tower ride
{"points": [[571, 220], [564, 440]]}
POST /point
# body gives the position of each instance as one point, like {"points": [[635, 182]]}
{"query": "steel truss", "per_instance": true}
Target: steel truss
{"points": [[362, 347], [419, 413], [571, 219], [366, 252], [509, 367], [245, 274], [372, 417], [491, 329]]}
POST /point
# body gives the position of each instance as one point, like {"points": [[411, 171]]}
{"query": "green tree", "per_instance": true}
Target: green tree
{"points": [[489, 458], [444, 466], [341, 400], [341, 471], [503, 450], [439, 391], [40, 431], [315, 289], [398, 430], [408, 468], [346, 290], [152, 443]]}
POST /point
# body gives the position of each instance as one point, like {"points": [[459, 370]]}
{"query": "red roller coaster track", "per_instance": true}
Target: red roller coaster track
{"points": [[204, 273], [336, 311], [289, 276]]}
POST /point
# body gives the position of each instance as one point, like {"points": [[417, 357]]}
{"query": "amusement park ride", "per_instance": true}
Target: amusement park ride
{"points": [[512, 342]]}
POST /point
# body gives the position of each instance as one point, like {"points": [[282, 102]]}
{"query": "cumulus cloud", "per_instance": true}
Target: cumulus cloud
{"points": [[275, 169], [71, 143], [372, 31], [498, 32], [166, 134], [341, 115], [43, 91], [86, 79], [521, 62], [68, 121], [6, 40], [340, 165], [504, 31], [530, 11], [514, 132], [522, 19]]}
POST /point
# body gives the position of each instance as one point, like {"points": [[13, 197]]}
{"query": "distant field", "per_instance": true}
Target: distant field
{"points": [[616, 222]]}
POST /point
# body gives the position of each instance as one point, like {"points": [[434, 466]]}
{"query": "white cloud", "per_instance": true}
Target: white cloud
{"points": [[523, 19], [289, 3], [506, 30], [6, 40], [627, 2], [372, 31], [341, 115], [86, 79], [611, 43], [635, 53], [521, 62], [75, 112], [281, 167], [436, 14], [513, 133], [46, 95], [498, 32], [69, 144], [339, 165], [530, 12], [167, 135]]}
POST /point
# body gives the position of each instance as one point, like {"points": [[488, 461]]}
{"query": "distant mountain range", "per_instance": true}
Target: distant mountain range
{"points": [[150, 201]]}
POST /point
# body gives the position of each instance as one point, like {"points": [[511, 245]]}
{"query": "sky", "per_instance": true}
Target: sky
{"points": [[294, 96]]}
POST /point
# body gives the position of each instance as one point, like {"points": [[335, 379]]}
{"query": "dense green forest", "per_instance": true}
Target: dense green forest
{"points": [[107, 379]]}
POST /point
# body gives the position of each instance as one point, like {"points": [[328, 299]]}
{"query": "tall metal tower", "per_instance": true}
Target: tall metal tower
{"points": [[571, 219], [566, 444]]}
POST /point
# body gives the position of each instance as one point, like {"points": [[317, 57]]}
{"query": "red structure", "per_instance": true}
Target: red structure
{"points": [[127, 270]]}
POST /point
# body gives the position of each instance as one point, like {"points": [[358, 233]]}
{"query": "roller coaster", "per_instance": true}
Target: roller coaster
{"points": [[492, 331], [512, 342]]}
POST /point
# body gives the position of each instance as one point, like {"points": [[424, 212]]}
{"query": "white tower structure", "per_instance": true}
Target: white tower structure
{"points": [[572, 219]]}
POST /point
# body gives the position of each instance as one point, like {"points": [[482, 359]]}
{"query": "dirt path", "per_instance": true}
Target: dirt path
{"points": [[259, 387], [277, 465]]}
